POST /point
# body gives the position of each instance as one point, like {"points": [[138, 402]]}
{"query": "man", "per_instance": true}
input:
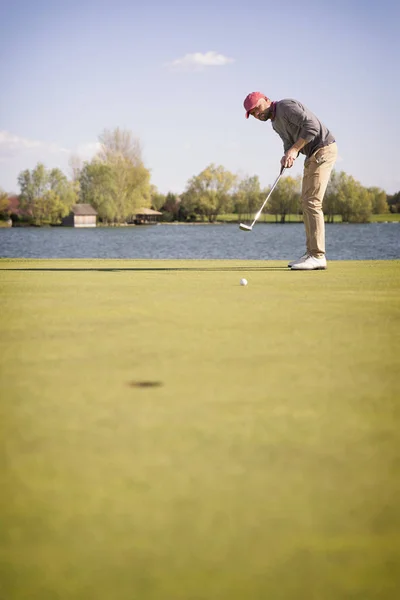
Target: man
{"points": [[301, 132]]}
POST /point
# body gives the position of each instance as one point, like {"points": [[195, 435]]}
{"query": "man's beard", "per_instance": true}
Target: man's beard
{"points": [[265, 115]]}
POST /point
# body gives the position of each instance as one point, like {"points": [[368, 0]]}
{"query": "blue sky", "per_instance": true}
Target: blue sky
{"points": [[176, 74]]}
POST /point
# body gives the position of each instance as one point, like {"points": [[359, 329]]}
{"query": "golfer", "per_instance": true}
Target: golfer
{"points": [[301, 132]]}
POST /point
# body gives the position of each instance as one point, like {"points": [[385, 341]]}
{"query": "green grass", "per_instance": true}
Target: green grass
{"points": [[265, 463], [267, 218], [386, 218]]}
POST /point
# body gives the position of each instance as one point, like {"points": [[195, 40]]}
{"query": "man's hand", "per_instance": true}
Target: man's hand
{"points": [[289, 157]]}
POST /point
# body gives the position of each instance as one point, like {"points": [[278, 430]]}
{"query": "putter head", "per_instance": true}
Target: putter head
{"points": [[244, 227]]}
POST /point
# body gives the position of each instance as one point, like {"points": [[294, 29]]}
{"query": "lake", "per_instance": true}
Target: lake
{"points": [[268, 241]]}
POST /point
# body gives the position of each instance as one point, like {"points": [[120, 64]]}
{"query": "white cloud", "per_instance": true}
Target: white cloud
{"points": [[199, 61], [19, 153], [87, 151], [11, 145]]}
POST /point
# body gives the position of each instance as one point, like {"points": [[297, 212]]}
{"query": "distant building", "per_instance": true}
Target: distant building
{"points": [[81, 215], [147, 216], [18, 216], [15, 210], [13, 205]]}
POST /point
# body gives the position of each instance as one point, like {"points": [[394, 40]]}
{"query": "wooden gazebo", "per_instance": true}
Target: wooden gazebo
{"points": [[147, 216]]}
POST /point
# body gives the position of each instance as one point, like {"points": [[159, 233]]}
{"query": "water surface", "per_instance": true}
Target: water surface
{"points": [[266, 241]]}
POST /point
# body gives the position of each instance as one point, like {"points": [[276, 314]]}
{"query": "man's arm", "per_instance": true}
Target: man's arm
{"points": [[290, 155], [308, 129], [299, 145]]}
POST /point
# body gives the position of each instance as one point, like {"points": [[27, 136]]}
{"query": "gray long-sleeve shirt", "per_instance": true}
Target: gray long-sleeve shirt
{"points": [[293, 121]]}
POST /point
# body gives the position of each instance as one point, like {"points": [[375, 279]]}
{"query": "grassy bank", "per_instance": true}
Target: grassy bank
{"points": [[170, 434], [386, 218], [266, 218]]}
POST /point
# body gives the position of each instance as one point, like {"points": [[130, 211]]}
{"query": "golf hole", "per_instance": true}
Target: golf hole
{"points": [[145, 384]]}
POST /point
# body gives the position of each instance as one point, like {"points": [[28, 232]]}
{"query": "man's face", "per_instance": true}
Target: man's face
{"points": [[261, 110]]}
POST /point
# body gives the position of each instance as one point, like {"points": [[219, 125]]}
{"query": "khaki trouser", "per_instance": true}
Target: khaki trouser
{"points": [[317, 170]]}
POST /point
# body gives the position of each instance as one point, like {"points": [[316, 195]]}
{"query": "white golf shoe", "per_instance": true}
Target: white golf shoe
{"points": [[297, 260], [311, 263]]}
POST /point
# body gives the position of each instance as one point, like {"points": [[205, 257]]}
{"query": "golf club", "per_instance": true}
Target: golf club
{"points": [[250, 227]]}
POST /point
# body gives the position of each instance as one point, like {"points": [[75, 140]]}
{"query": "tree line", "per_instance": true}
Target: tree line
{"points": [[215, 192], [117, 184]]}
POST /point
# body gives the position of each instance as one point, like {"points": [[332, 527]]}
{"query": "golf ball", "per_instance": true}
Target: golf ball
{"points": [[243, 282]]}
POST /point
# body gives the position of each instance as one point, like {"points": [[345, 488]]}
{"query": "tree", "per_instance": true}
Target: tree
{"points": [[97, 188], [330, 203], [157, 200], [285, 198], [46, 196], [354, 202], [132, 188], [33, 185], [170, 208], [116, 181], [65, 190], [379, 201], [207, 194], [120, 143], [247, 196], [394, 202], [4, 212], [75, 163], [361, 206]]}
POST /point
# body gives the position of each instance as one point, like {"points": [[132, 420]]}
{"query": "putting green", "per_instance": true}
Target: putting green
{"points": [[171, 435]]}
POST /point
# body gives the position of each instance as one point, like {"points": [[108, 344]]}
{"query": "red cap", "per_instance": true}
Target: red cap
{"points": [[251, 100]]}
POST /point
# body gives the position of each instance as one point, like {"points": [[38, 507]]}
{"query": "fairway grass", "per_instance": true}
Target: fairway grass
{"points": [[171, 435]]}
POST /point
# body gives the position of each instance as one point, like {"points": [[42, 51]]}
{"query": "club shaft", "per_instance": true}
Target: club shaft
{"points": [[267, 198]]}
